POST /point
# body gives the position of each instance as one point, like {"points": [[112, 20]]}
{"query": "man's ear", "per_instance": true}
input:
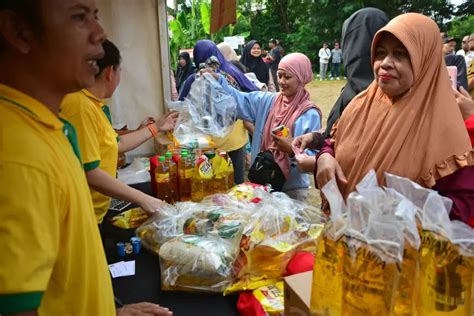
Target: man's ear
{"points": [[16, 32], [108, 73]]}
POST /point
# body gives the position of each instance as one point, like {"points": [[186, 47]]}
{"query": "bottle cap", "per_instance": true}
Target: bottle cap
{"points": [[162, 158]]}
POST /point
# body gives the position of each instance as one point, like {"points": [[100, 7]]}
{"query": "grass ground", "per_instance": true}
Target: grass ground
{"points": [[323, 94]]}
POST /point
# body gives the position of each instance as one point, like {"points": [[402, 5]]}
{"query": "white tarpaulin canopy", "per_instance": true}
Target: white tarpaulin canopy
{"points": [[139, 29]]}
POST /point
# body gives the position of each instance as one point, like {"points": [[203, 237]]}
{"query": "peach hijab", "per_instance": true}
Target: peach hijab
{"points": [[421, 135]]}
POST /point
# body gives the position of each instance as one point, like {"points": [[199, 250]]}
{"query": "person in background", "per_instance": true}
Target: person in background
{"points": [[324, 55], [466, 105], [185, 69], [290, 107], [449, 44], [336, 58], [52, 260], [174, 91], [470, 65], [357, 34], [407, 122], [234, 143], [99, 143], [280, 48], [252, 59], [464, 46], [273, 58]]}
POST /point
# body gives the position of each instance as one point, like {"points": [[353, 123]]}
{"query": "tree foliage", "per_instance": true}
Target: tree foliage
{"points": [[303, 25]]}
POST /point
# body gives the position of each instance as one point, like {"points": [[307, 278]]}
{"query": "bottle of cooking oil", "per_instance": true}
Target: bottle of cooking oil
{"points": [[230, 171], [201, 181], [185, 172], [162, 177], [173, 172], [219, 168]]}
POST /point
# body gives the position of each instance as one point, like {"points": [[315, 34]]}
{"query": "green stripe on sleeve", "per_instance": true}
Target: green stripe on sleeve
{"points": [[91, 165], [16, 303]]}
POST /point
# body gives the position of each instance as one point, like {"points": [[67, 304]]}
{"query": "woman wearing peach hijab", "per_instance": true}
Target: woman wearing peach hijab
{"points": [[407, 122], [290, 107]]}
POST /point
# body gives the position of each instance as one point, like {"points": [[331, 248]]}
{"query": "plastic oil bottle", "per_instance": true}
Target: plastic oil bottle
{"points": [[230, 170], [220, 167], [173, 172], [201, 181], [162, 177], [185, 173]]}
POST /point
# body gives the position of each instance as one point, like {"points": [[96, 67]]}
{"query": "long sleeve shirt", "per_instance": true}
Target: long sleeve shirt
{"points": [[255, 107]]}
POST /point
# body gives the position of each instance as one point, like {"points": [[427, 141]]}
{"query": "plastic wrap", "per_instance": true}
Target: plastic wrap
{"points": [[208, 112], [267, 300], [446, 253], [201, 258], [279, 227]]}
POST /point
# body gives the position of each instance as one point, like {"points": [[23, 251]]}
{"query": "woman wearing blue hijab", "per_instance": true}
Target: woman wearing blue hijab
{"points": [[234, 143]]}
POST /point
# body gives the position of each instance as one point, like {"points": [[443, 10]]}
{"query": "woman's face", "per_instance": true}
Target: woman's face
{"points": [[256, 51], [288, 83], [182, 61], [392, 66]]}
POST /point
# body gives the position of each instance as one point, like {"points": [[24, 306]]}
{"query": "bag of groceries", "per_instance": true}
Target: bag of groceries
{"points": [[208, 112]]}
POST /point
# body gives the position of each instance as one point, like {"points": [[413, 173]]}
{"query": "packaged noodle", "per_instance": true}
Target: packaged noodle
{"points": [[275, 232], [165, 224], [130, 219], [267, 300], [191, 262]]}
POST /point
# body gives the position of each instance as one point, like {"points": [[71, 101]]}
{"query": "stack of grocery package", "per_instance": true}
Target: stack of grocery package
{"points": [[235, 241], [392, 251]]}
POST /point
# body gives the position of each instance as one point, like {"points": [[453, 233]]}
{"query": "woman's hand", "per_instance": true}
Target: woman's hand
{"points": [[328, 168], [167, 122], [465, 102], [301, 142], [305, 163], [283, 144]]}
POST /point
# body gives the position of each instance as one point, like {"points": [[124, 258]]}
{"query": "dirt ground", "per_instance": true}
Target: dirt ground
{"points": [[323, 94]]}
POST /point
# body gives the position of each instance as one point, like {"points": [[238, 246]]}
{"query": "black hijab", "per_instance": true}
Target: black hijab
{"points": [[184, 72], [357, 34], [255, 64]]}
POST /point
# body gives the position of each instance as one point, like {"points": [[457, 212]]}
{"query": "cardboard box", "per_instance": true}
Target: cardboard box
{"points": [[298, 294]]}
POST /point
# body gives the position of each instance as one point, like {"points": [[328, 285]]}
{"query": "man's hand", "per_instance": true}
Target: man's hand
{"points": [[305, 163], [167, 122], [143, 308], [301, 142]]}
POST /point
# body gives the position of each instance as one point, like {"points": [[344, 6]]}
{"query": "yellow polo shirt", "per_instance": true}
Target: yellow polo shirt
{"points": [[97, 139], [236, 139], [51, 256]]}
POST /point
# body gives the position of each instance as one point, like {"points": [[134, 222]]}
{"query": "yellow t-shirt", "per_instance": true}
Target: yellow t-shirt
{"points": [[52, 258], [97, 139], [236, 139]]}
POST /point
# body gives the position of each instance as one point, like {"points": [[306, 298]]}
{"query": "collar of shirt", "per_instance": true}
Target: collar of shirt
{"points": [[97, 101], [30, 106]]}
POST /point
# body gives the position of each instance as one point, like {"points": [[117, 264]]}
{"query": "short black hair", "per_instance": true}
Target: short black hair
{"points": [[111, 56], [30, 10], [273, 41]]}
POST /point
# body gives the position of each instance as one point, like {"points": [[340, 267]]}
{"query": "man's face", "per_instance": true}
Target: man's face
{"points": [[465, 43], [271, 45], [471, 42], [336, 46], [70, 43], [325, 46], [453, 45]]}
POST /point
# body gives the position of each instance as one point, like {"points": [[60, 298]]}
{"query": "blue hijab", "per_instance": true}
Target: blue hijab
{"points": [[205, 49]]}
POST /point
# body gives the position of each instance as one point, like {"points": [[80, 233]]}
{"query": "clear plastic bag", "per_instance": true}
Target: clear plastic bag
{"points": [[446, 253], [208, 112], [278, 228]]}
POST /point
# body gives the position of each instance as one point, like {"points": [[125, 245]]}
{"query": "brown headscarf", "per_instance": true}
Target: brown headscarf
{"points": [[421, 135]]}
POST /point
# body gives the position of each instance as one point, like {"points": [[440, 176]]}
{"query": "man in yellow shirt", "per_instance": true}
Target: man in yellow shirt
{"points": [[52, 261], [98, 141]]}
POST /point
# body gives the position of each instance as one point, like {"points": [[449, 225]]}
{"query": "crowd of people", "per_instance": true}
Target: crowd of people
{"points": [[399, 112]]}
